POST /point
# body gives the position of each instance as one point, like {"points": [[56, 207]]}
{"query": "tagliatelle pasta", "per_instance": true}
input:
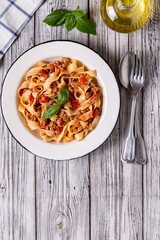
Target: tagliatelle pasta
{"points": [[76, 117]]}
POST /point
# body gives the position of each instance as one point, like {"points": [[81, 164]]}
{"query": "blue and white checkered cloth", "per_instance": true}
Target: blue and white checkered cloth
{"points": [[14, 14]]}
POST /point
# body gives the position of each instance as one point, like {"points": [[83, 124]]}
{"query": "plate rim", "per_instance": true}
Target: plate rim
{"points": [[62, 40]]}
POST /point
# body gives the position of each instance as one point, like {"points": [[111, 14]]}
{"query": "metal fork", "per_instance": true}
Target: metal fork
{"points": [[136, 82], [140, 150]]}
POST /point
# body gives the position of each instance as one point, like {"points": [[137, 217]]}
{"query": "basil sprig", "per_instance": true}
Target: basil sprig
{"points": [[63, 97], [72, 19]]}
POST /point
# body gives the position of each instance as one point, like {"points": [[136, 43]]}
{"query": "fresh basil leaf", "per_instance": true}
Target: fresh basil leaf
{"points": [[56, 18], [63, 97], [85, 25], [79, 13], [57, 101], [63, 94], [70, 22], [52, 110], [72, 19]]}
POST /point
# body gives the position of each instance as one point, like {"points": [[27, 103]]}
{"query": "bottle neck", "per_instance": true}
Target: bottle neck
{"points": [[126, 3]]}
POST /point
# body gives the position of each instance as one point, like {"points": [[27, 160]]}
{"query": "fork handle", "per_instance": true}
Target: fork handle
{"points": [[140, 150], [128, 155]]}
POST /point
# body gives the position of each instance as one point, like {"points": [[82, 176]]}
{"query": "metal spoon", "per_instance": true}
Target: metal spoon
{"points": [[132, 77]]}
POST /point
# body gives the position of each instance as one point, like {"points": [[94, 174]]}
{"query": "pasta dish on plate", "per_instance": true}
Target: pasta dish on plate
{"points": [[61, 100]]}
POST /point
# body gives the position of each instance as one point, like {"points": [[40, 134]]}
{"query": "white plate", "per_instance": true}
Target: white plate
{"points": [[106, 80]]}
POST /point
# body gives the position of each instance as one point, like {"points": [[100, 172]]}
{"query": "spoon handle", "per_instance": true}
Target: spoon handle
{"points": [[128, 155], [140, 150]]}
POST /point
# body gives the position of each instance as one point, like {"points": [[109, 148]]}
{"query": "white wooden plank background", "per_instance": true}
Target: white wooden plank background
{"points": [[151, 128], [17, 171], [62, 187], [95, 197]]}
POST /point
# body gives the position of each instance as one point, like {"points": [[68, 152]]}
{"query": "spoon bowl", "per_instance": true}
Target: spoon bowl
{"points": [[125, 69]]}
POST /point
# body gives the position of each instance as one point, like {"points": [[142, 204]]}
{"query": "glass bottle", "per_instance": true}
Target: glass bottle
{"points": [[125, 16]]}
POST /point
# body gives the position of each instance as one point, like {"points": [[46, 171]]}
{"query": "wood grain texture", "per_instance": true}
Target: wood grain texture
{"points": [[96, 197], [62, 187], [118, 203], [17, 182], [104, 162], [151, 128], [131, 175]]}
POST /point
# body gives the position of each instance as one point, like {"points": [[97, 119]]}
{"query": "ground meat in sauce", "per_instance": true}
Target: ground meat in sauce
{"points": [[72, 74], [30, 117], [54, 84], [65, 62], [72, 84], [88, 95], [51, 126], [51, 102], [94, 90], [77, 127], [89, 126], [43, 121], [62, 114], [70, 105], [78, 94], [71, 89], [37, 106], [61, 65], [90, 120], [77, 117], [54, 88]]}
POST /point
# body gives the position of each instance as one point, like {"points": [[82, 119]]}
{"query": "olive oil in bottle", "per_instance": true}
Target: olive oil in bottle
{"points": [[125, 16]]}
